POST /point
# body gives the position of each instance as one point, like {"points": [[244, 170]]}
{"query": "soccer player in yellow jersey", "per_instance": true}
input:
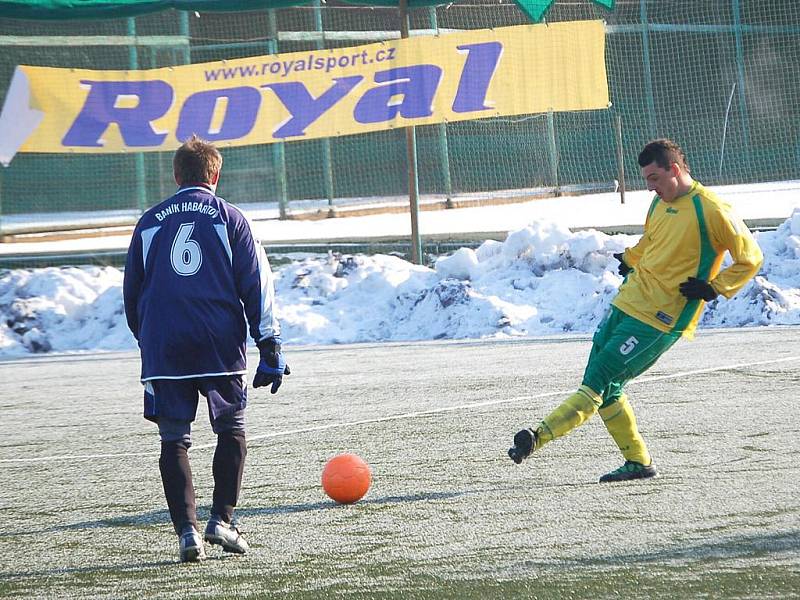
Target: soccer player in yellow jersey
{"points": [[669, 275]]}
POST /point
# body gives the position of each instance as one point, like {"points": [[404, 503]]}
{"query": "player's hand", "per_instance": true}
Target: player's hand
{"points": [[272, 366], [623, 269], [698, 289]]}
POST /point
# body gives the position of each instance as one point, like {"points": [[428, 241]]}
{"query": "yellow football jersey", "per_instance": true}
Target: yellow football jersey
{"points": [[687, 237]]}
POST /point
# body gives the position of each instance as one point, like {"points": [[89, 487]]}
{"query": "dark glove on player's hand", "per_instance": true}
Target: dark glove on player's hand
{"points": [[623, 268], [697, 289], [272, 367]]}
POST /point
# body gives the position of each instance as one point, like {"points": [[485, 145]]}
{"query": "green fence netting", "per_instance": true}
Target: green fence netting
{"points": [[722, 77]]}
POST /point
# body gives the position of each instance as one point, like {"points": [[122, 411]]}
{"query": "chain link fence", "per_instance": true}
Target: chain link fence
{"points": [[721, 77]]}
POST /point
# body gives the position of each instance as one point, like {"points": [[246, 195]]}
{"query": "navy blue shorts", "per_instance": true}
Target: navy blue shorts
{"points": [[177, 399]]}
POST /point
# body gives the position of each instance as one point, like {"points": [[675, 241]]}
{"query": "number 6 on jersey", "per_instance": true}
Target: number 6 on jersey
{"points": [[186, 256]]}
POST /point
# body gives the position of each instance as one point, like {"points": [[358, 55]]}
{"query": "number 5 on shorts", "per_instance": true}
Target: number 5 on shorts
{"points": [[628, 346]]}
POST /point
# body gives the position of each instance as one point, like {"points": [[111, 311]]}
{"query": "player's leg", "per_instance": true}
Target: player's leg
{"points": [[632, 349], [176, 476], [227, 397], [575, 410], [228, 466], [620, 422], [169, 404]]}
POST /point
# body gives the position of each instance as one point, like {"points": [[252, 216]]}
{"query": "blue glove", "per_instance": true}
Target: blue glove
{"points": [[697, 289], [272, 367], [623, 269]]}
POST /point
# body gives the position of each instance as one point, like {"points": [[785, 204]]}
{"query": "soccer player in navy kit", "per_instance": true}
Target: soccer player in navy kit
{"points": [[195, 280]]}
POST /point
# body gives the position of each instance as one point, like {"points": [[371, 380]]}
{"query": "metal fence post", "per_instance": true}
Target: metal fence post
{"points": [[2, 168], [553, 147], [327, 166], [441, 130], [411, 162], [740, 79], [183, 28], [620, 158], [141, 172], [278, 150], [648, 76]]}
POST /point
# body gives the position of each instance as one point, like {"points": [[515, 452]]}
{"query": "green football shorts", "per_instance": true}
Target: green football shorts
{"points": [[622, 348]]}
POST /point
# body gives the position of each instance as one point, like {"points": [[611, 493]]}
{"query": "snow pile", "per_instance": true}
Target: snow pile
{"points": [[61, 309], [542, 279]]}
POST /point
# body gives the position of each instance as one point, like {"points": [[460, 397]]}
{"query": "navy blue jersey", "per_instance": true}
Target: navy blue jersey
{"points": [[195, 278]]}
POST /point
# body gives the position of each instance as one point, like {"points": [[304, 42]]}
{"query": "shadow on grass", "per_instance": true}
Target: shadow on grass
{"points": [[708, 553], [744, 546], [153, 517], [330, 504], [161, 517], [110, 569]]}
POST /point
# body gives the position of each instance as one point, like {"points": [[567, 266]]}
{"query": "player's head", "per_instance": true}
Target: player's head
{"points": [[197, 161], [665, 169]]}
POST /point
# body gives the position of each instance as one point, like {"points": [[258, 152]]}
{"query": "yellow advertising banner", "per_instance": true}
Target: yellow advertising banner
{"points": [[313, 94]]}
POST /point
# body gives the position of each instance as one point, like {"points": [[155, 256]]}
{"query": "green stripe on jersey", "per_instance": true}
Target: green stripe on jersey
{"points": [[707, 257], [707, 252], [653, 205]]}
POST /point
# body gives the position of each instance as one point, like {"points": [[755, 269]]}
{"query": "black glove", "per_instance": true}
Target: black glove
{"points": [[698, 289], [623, 268], [272, 367]]}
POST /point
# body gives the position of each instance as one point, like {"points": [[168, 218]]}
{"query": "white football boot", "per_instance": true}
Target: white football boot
{"points": [[191, 546], [226, 535]]}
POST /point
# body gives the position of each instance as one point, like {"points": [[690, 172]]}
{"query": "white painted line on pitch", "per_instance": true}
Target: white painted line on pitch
{"points": [[408, 415]]}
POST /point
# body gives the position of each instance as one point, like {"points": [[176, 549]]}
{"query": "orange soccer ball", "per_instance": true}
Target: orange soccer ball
{"points": [[346, 478]]}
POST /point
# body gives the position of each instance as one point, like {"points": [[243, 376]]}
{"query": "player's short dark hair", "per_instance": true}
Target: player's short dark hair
{"points": [[663, 152], [196, 161]]}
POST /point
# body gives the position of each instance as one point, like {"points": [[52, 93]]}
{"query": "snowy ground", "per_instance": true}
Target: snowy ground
{"points": [[448, 515], [543, 279]]}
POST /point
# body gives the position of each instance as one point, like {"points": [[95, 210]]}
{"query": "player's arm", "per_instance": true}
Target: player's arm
{"points": [[633, 255], [255, 282], [132, 281], [730, 232], [257, 292]]}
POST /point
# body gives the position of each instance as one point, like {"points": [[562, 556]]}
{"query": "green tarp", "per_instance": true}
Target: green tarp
{"points": [[112, 9]]}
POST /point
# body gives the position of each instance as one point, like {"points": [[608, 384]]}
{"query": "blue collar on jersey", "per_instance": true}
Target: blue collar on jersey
{"points": [[198, 186]]}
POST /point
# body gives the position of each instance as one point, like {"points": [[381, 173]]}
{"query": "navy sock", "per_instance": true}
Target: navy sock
{"points": [[228, 468], [176, 475]]}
